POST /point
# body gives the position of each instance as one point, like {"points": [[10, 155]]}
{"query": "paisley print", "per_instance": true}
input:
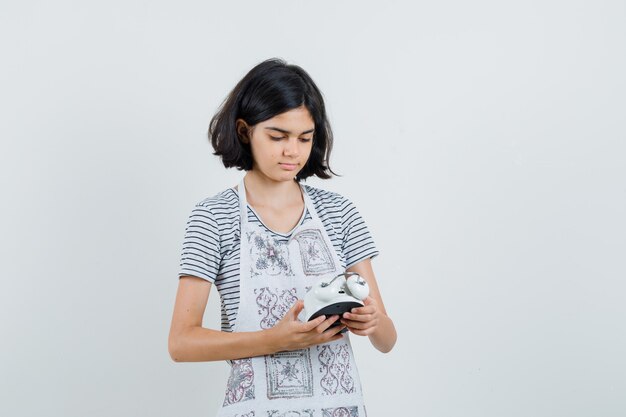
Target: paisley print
{"points": [[240, 386], [340, 412], [316, 256], [273, 304], [303, 413], [269, 256], [289, 374], [336, 369]]}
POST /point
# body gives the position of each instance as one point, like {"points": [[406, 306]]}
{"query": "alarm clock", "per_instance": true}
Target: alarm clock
{"points": [[335, 296]]}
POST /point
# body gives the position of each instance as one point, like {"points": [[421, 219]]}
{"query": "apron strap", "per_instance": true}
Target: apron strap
{"points": [[308, 203], [243, 203]]}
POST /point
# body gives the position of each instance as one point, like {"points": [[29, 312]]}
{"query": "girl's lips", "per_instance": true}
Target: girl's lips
{"points": [[288, 167]]}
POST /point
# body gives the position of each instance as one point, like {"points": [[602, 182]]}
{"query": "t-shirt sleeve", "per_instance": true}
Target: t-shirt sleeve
{"points": [[358, 243], [200, 255]]}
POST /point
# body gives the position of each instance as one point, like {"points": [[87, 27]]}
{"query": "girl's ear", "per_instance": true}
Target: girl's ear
{"points": [[243, 131]]}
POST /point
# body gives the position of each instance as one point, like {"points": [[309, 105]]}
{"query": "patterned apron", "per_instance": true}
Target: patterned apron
{"points": [[319, 381]]}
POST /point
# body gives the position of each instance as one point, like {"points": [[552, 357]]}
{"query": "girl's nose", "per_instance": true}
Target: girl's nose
{"points": [[291, 148]]}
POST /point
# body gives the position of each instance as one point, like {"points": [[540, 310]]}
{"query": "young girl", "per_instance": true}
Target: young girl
{"points": [[264, 243]]}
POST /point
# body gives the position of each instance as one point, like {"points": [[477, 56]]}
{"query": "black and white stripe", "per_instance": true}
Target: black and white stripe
{"points": [[211, 243]]}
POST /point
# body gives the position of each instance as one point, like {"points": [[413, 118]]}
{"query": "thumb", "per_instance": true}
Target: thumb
{"points": [[296, 308]]}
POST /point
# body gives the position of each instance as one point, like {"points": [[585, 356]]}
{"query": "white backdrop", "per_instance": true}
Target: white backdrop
{"points": [[483, 143]]}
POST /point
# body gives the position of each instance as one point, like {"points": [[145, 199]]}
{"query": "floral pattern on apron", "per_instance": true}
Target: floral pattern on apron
{"points": [[303, 413], [340, 412], [240, 382], [269, 256], [289, 374], [316, 256], [319, 381], [273, 304], [335, 366]]}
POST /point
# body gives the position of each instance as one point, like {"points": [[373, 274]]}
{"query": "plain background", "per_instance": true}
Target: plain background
{"points": [[483, 142]]}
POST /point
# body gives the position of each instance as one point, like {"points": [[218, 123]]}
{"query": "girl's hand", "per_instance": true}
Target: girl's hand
{"points": [[362, 321], [292, 334]]}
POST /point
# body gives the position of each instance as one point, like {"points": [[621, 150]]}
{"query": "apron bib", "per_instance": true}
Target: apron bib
{"points": [[319, 381]]}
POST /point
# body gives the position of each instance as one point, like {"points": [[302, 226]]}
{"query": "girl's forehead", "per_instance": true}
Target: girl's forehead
{"points": [[296, 120]]}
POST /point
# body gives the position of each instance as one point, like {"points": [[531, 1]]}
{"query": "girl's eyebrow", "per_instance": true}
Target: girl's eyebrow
{"points": [[286, 131]]}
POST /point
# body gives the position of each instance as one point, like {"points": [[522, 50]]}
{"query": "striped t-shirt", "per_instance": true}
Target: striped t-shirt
{"points": [[212, 240]]}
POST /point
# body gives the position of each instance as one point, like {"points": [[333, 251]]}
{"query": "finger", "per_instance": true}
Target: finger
{"points": [[358, 317], [321, 328], [354, 324], [369, 300], [358, 324], [336, 337], [337, 329], [331, 333], [364, 310], [296, 308], [310, 325]]}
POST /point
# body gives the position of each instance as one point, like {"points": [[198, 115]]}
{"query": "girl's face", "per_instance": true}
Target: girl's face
{"points": [[281, 145]]}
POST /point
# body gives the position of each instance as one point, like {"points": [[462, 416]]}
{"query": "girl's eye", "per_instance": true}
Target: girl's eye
{"points": [[280, 138]]}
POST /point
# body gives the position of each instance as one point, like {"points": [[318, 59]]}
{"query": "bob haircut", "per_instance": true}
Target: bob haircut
{"points": [[271, 88]]}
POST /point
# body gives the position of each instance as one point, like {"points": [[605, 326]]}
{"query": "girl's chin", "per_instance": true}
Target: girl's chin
{"points": [[281, 175]]}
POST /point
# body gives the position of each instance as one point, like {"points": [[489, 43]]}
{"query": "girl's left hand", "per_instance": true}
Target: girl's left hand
{"points": [[362, 320]]}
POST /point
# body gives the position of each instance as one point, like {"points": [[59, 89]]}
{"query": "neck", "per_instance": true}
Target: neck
{"points": [[264, 192]]}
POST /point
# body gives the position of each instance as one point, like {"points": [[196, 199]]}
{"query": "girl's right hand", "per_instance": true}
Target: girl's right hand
{"points": [[292, 334]]}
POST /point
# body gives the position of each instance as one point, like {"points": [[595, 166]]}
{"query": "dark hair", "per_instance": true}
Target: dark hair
{"points": [[271, 88]]}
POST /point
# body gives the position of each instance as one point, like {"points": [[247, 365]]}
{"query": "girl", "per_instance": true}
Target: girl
{"points": [[263, 244]]}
